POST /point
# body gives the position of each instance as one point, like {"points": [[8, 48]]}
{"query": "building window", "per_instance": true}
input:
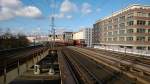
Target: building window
{"points": [[105, 28], [130, 23], [122, 32], [139, 13], [140, 48], [148, 38], [141, 30], [109, 39], [130, 16], [115, 32], [105, 23], [129, 47], [109, 27], [110, 21], [148, 30], [121, 39], [130, 30], [141, 22], [115, 39], [129, 38], [109, 33], [115, 20], [122, 25], [141, 38], [148, 47], [148, 23], [105, 34], [105, 39], [148, 14], [115, 26], [122, 18]]}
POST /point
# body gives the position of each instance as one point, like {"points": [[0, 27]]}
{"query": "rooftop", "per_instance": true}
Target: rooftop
{"points": [[133, 6]]}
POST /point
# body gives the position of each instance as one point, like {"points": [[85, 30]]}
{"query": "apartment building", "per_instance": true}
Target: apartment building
{"points": [[85, 35], [127, 28]]}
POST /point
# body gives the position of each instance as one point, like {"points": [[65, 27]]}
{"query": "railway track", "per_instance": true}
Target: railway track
{"points": [[141, 60], [71, 67], [130, 69], [98, 73], [7, 54]]}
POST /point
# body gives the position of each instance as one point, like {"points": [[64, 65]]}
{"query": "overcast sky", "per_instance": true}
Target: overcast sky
{"points": [[34, 15]]}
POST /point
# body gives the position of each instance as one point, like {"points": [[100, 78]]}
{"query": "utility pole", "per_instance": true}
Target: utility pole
{"points": [[53, 30], [52, 26]]}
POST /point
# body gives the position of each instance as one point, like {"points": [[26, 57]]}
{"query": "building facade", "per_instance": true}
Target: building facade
{"points": [[67, 36], [85, 35], [88, 36], [127, 28]]}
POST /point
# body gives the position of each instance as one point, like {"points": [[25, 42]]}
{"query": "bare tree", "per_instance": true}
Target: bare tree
{"points": [[8, 40]]}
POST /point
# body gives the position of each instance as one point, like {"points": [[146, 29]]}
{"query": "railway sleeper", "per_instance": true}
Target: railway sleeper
{"points": [[124, 67], [146, 73], [77, 70], [134, 70], [140, 72], [131, 68], [95, 81], [107, 79]]}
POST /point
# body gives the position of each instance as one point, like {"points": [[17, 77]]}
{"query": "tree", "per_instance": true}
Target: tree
{"points": [[9, 40], [23, 41]]}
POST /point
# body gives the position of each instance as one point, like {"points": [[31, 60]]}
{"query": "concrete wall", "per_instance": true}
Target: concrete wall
{"points": [[11, 75]]}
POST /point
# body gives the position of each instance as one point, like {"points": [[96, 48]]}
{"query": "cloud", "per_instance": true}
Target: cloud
{"points": [[12, 8], [69, 16], [6, 13], [58, 16], [10, 3], [62, 16], [86, 8], [29, 11], [67, 7]]}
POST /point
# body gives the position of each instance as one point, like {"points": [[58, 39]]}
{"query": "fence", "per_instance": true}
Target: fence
{"points": [[125, 50]]}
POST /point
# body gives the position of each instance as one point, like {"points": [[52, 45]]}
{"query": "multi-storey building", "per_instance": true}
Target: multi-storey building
{"points": [[67, 36], [127, 28], [85, 35], [88, 36]]}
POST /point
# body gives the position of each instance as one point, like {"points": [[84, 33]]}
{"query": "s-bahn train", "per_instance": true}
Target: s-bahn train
{"points": [[78, 43]]}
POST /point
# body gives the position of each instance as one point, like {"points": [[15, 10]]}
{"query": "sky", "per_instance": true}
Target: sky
{"points": [[34, 16]]}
